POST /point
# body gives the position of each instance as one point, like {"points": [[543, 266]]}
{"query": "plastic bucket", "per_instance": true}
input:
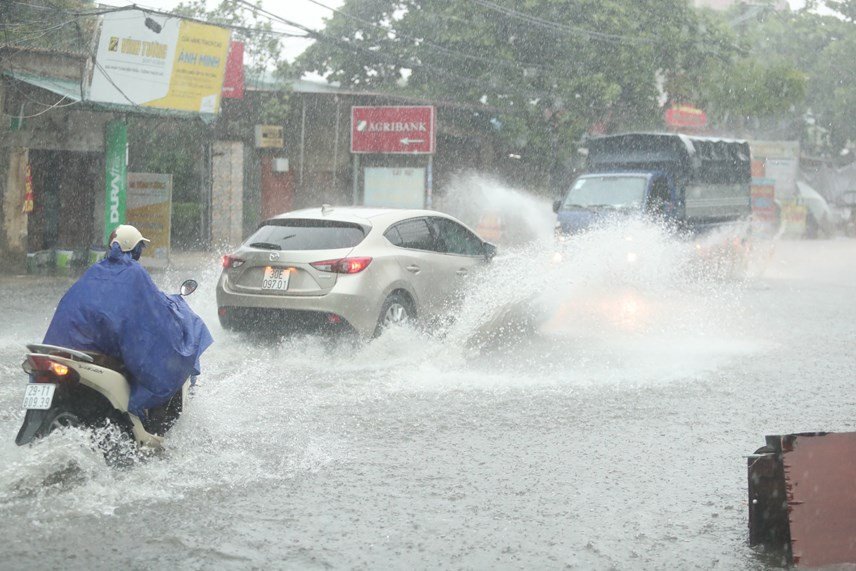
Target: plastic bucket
{"points": [[63, 260], [95, 256], [32, 263], [40, 262]]}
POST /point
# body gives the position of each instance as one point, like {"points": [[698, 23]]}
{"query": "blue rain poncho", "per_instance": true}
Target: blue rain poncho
{"points": [[116, 309]]}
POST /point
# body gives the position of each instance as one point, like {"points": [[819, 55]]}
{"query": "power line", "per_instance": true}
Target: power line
{"points": [[374, 54], [557, 27], [57, 105], [422, 41]]}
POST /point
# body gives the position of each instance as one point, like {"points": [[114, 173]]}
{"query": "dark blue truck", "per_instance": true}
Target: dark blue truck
{"points": [[694, 183]]}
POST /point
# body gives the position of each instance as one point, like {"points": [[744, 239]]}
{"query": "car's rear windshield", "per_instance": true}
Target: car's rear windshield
{"points": [[298, 234]]}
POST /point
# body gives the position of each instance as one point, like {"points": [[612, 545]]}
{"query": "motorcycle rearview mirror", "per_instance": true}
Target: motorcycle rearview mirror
{"points": [[188, 287], [489, 251]]}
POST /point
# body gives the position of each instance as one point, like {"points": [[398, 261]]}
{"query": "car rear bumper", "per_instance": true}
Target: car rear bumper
{"points": [[335, 310]]}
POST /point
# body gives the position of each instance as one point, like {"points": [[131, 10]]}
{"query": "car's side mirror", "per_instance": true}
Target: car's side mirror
{"points": [[489, 251], [557, 204], [188, 287]]}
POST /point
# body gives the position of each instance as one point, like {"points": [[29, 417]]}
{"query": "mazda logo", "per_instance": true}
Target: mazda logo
{"points": [[274, 256]]}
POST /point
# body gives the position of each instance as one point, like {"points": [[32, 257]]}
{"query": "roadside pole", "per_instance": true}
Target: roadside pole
{"points": [[429, 186], [356, 177]]}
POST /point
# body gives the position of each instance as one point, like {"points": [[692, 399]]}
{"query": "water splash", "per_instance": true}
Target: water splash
{"points": [[523, 217]]}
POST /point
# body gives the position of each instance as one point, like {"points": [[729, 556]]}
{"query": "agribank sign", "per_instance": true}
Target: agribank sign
{"points": [[395, 130], [157, 61]]}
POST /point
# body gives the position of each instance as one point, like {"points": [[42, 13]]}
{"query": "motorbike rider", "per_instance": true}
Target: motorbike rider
{"points": [[116, 309]]}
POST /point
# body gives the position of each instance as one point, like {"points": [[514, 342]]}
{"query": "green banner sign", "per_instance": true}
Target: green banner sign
{"points": [[115, 155]]}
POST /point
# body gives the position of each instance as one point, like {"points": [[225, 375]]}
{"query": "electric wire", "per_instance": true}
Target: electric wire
{"points": [[557, 27], [422, 41]]}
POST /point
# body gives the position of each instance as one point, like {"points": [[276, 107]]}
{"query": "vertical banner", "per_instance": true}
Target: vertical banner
{"points": [[149, 208], [115, 160], [233, 82]]}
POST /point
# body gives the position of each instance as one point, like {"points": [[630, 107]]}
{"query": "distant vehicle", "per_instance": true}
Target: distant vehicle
{"points": [[347, 268], [696, 183]]}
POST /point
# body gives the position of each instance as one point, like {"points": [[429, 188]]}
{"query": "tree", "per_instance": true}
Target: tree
{"points": [[822, 48], [68, 26], [545, 71], [846, 8]]}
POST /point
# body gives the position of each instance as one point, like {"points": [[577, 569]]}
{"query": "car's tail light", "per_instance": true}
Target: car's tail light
{"points": [[230, 261], [343, 265], [46, 370]]}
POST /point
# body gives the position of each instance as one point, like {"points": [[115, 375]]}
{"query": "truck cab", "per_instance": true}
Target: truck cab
{"points": [[598, 196]]}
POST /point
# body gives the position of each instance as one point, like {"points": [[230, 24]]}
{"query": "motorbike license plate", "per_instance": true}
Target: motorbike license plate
{"points": [[275, 279], [38, 396]]}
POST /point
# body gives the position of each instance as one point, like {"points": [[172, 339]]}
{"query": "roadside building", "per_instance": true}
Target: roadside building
{"points": [[56, 144]]}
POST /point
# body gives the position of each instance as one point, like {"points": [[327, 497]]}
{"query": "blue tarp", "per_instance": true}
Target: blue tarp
{"points": [[115, 308]]}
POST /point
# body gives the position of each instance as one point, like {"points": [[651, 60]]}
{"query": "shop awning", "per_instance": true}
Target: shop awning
{"points": [[65, 87], [71, 89]]}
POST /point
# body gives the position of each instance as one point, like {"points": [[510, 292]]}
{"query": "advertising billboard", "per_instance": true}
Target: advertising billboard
{"points": [[149, 208], [158, 61]]}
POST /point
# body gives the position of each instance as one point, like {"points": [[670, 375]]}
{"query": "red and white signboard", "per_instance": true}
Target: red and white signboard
{"points": [[393, 130], [685, 116]]}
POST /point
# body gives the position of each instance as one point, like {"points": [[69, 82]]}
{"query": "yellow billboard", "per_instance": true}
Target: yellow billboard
{"points": [[149, 208], [197, 70], [158, 61]]}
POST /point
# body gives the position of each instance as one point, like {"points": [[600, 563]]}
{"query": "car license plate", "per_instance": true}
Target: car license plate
{"points": [[39, 396], [275, 279]]}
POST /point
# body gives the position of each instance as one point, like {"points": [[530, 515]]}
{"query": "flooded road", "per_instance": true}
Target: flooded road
{"points": [[604, 426]]}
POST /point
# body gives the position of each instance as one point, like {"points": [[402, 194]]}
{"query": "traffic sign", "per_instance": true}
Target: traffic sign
{"points": [[406, 130]]}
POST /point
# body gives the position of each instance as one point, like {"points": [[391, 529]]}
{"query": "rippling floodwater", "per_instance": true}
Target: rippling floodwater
{"points": [[586, 413]]}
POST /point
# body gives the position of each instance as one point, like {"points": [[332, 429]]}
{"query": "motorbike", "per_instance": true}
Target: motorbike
{"points": [[72, 388]]}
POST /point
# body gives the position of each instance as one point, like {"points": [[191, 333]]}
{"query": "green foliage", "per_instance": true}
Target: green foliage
{"points": [[171, 146], [750, 88], [543, 71], [822, 48], [847, 8], [65, 27]]}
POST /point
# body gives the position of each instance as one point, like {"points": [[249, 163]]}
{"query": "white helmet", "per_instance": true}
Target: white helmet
{"points": [[127, 237]]}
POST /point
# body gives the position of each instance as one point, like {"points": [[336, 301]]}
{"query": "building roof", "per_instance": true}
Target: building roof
{"points": [[72, 90]]}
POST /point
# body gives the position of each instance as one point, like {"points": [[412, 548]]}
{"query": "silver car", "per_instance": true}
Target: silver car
{"points": [[347, 268]]}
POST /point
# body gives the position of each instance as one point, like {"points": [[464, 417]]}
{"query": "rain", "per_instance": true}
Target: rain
{"points": [[663, 200]]}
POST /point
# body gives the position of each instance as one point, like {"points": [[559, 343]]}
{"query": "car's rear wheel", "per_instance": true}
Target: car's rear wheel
{"points": [[396, 310]]}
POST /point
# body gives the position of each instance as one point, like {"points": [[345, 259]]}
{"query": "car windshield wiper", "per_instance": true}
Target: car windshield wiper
{"points": [[611, 206], [583, 206], [265, 245]]}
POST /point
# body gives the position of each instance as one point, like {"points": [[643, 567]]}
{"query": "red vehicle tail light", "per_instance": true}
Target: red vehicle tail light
{"points": [[46, 370], [230, 261], [343, 265]]}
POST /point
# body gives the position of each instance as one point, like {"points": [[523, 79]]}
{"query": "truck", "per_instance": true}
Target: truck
{"points": [[694, 183]]}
